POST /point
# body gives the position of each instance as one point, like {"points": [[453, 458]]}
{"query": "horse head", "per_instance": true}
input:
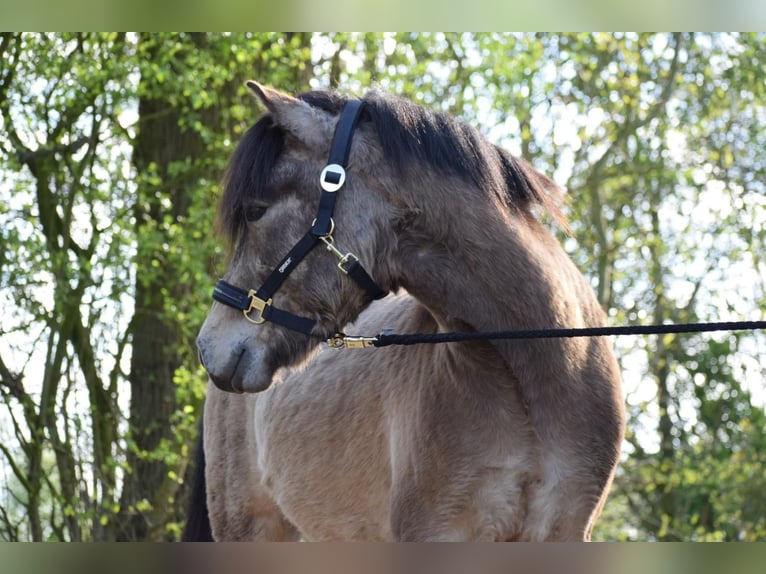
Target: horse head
{"points": [[269, 210]]}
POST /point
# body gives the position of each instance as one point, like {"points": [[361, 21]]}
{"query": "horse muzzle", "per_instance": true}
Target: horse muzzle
{"points": [[239, 371]]}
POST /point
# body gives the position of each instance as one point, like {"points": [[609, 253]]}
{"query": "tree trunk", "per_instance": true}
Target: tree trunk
{"points": [[160, 142]]}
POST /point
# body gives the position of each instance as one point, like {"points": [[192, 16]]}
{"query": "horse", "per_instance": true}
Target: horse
{"points": [[483, 440]]}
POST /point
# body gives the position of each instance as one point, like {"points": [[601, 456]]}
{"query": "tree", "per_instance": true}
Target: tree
{"points": [[186, 96], [106, 232], [63, 240]]}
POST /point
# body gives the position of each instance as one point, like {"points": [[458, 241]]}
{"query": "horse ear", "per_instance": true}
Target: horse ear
{"points": [[307, 124], [272, 99]]}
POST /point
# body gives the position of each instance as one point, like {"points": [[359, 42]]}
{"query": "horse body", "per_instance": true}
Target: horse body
{"points": [[329, 440], [481, 441]]}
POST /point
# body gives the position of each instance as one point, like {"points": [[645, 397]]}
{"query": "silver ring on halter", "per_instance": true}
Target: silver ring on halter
{"points": [[332, 178], [329, 233]]}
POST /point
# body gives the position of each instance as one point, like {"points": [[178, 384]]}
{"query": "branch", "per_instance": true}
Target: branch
{"points": [[103, 409], [13, 381], [640, 453], [10, 528], [630, 127], [27, 156], [653, 525], [457, 75], [29, 416], [5, 83], [5, 40], [17, 472], [53, 225]]}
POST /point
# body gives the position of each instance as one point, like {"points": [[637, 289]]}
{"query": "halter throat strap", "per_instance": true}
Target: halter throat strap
{"points": [[257, 305]]}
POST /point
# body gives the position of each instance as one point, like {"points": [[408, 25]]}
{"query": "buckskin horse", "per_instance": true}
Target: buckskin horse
{"points": [[484, 440]]}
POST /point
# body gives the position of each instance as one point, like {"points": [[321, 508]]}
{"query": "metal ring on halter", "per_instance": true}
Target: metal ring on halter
{"points": [[332, 227], [332, 178]]}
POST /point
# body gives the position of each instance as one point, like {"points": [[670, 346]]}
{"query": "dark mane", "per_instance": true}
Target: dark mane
{"points": [[409, 135], [412, 135], [248, 174]]}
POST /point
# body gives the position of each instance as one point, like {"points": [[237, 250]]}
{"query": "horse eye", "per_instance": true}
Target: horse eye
{"points": [[255, 212]]}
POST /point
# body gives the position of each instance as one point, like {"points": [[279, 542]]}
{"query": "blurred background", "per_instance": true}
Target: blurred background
{"points": [[431, 15], [111, 149]]}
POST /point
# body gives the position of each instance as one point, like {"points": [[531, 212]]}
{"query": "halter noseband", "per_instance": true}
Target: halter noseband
{"points": [[257, 305]]}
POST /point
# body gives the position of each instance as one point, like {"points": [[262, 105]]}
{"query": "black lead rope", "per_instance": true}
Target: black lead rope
{"points": [[386, 339]]}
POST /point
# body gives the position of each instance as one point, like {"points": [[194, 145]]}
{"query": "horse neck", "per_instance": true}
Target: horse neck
{"points": [[476, 266]]}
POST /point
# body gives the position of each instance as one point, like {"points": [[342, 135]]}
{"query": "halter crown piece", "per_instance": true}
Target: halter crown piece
{"points": [[256, 305]]}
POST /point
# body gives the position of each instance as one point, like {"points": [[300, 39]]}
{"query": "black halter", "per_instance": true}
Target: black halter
{"points": [[256, 305]]}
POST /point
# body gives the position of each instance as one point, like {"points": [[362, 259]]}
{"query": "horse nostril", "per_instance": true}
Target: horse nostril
{"points": [[223, 379]]}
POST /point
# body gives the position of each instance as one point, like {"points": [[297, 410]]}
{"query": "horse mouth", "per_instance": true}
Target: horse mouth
{"points": [[242, 374]]}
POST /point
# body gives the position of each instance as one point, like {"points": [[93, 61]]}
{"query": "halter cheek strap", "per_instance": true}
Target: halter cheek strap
{"points": [[257, 305]]}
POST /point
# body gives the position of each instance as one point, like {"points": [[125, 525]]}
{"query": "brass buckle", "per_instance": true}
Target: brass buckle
{"points": [[351, 342], [256, 304]]}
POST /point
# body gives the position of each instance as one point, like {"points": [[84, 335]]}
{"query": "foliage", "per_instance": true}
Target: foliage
{"points": [[112, 146]]}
